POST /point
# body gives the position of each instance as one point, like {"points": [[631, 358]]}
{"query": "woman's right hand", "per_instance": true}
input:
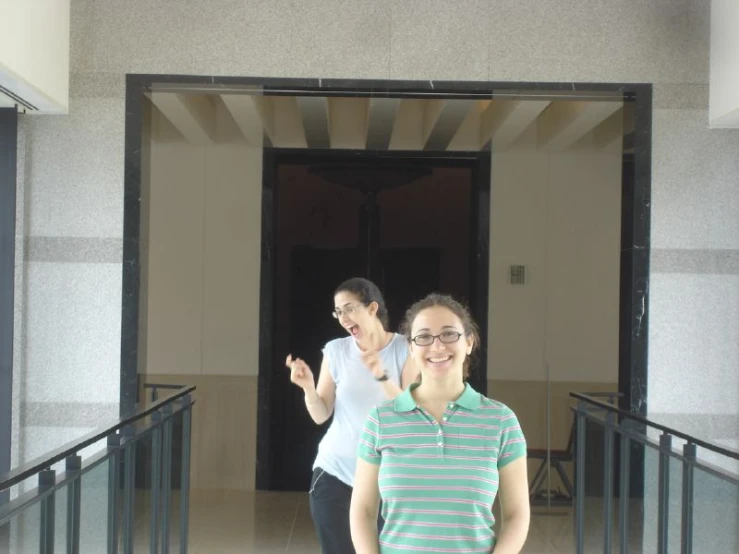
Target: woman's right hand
{"points": [[300, 373]]}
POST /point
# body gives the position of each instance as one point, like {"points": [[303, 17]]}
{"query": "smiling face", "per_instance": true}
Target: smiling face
{"points": [[445, 356], [354, 316]]}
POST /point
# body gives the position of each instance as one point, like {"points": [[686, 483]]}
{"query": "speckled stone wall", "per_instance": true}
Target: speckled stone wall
{"points": [[74, 179]]}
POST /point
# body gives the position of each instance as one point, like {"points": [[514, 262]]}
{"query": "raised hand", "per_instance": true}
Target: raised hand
{"points": [[300, 373], [373, 362]]}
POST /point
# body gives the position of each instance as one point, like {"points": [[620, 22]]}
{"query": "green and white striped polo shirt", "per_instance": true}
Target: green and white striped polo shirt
{"points": [[438, 481]]}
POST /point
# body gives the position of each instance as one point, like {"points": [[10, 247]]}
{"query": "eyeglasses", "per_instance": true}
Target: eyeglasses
{"points": [[346, 310], [447, 337]]}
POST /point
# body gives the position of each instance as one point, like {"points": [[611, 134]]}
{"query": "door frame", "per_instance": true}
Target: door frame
{"points": [[479, 164], [635, 211]]}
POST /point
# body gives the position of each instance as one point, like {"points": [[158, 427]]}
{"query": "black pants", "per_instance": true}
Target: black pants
{"points": [[330, 499]]}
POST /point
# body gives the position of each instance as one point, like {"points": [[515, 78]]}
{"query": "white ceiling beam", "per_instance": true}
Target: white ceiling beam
{"points": [[382, 112], [288, 123], [452, 113], [314, 110], [193, 115], [566, 122], [407, 131], [504, 121], [245, 114], [347, 122], [467, 137]]}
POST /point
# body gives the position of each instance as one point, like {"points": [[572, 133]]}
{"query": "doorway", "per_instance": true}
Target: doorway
{"points": [[410, 223]]}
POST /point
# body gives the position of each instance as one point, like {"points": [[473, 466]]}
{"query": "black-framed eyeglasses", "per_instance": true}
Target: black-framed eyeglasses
{"points": [[346, 310], [446, 337]]}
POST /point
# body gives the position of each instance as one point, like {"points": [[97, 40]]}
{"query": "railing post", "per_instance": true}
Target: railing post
{"points": [[166, 473], [624, 492], [46, 481], [185, 478], [74, 504], [129, 488], [686, 526], [607, 480], [156, 472], [580, 478], [663, 506], [114, 485]]}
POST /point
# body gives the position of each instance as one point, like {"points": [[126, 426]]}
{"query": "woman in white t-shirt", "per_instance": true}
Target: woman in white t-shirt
{"points": [[366, 368]]}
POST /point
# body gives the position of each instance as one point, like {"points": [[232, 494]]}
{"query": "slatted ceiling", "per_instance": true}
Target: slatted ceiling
{"points": [[609, 133], [564, 123], [289, 130], [407, 131], [468, 136], [246, 116], [382, 113], [347, 120], [265, 110], [192, 114], [447, 123], [432, 109], [494, 116], [391, 123], [518, 117], [314, 112]]}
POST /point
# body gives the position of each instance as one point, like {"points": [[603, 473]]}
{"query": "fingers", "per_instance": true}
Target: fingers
{"points": [[298, 368]]}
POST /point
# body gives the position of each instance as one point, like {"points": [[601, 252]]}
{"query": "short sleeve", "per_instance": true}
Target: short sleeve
{"points": [[512, 441], [329, 352], [369, 441]]}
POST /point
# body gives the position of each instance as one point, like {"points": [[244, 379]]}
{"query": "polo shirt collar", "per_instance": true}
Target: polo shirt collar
{"points": [[469, 399]]}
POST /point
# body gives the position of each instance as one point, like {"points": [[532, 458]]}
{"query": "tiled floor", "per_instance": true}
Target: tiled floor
{"points": [[272, 522], [231, 522]]}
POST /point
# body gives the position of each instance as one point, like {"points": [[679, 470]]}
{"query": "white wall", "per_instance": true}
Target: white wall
{"points": [[34, 48], [558, 213], [204, 259], [724, 100]]}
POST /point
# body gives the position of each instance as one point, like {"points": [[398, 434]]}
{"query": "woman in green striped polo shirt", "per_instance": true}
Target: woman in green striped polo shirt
{"points": [[439, 453]]}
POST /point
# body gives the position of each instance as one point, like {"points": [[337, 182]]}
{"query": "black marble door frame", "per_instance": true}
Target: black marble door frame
{"points": [[636, 206], [8, 184]]}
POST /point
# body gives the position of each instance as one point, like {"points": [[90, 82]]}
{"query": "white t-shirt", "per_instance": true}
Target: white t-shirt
{"points": [[357, 392]]}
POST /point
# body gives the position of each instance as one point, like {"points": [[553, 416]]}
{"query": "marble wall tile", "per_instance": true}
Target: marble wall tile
{"points": [[73, 332], [440, 40], [584, 40], [693, 347], [335, 38], [74, 250], [678, 260], [695, 199], [74, 185]]}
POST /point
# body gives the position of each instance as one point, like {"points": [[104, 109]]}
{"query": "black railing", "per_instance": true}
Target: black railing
{"points": [[117, 446], [630, 444]]}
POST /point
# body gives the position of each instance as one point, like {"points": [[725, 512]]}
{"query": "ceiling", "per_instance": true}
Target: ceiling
{"points": [[359, 123]]}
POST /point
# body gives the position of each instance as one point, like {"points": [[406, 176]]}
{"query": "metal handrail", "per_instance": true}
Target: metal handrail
{"points": [[645, 421], [620, 430], [29, 469]]}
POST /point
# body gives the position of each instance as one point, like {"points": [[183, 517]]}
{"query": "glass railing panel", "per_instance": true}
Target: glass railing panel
{"points": [[126, 490], [20, 534], [715, 513], [94, 488]]}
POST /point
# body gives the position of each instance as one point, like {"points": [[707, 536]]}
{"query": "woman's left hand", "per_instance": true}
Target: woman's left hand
{"points": [[372, 360]]}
